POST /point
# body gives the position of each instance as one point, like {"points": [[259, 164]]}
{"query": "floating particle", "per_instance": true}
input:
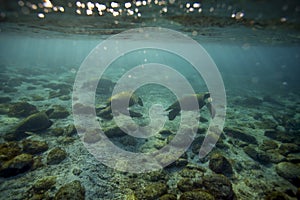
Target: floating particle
{"points": [[239, 15], [89, 12], [283, 19], [114, 4], [127, 5], [196, 5], [41, 15]]}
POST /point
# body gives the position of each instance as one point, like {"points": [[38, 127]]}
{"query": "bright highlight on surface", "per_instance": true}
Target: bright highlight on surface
{"points": [[129, 8]]}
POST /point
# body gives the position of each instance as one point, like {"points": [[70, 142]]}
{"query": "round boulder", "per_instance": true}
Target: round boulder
{"points": [[220, 165], [56, 155], [71, 191]]}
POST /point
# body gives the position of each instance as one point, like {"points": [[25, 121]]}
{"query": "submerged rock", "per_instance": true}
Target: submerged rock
{"points": [[153, 191], [287, 148], [290, 172], [219, 164], [197, 195], [257, 155], [280, 136], [240, 134], [59, 112], [114, 131], [9, 150], [105, 86], [56, 155], [275, 195], [71, 191], [17, 165], [36, 122], [168, 197], [268, 145], [70, 130], [91, 137], [219, 186], [186, 184], [21, 109], [44, 184], [34, 147]]}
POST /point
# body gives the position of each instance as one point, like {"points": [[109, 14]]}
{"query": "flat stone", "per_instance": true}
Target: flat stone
{"points": [[240, 134]]}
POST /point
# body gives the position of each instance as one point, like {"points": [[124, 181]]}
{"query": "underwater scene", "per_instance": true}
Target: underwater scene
{"points": [[150, 99]]}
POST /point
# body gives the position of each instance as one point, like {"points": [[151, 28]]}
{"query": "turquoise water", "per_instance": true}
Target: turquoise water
{"points": [[45, 154]]}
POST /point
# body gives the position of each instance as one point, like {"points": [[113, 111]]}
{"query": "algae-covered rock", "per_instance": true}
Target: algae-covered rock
{"points": [[219, 164], [268, 145], [44, 184], [21, 109], [35, 122], [240, 134], [153, 191], [17, 165], [196, 195], [180, 162], [287, 148], [191, 173], [276, 195], [56, 155], [168, 197], [57, 131], [185, 184], [257, 155], [114, 131], [34, 147], [59, 112], [105, 86], [71, 191], [219, 186], [9, 150], [36, 97], [70, 130], [290, 172], [91, 137]]}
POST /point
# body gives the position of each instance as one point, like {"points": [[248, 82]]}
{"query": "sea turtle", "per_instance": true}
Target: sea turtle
{"points": [[203, 99], [120, 104]]}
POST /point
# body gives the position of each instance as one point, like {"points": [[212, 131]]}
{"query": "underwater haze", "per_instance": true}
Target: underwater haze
{"points": [[150, 136]]}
